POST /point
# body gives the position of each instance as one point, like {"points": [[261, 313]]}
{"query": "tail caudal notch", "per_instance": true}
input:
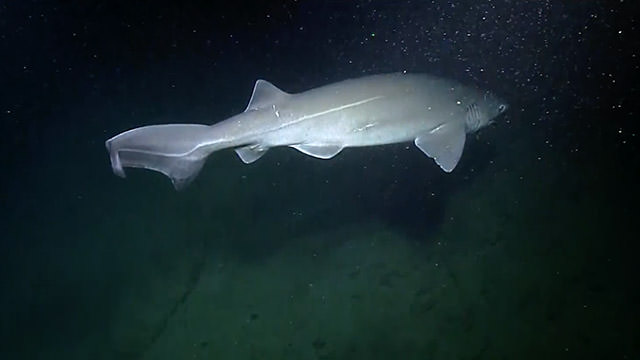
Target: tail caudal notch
{"points": [[176, 150]]}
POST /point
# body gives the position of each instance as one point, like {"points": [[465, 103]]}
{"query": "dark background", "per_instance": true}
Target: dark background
{"points": [[73, 74]]}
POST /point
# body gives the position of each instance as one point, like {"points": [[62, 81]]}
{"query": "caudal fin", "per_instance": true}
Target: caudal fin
{"points": [[177, 150]]}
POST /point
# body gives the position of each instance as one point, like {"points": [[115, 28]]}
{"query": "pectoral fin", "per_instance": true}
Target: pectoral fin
{"points": [[319, 151], [444, 144]]}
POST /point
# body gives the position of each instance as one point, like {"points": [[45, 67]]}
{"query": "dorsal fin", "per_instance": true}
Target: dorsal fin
{"points": [[265, 94]]}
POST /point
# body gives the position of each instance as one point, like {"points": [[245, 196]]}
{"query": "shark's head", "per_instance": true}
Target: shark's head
{"points": [[482, 111]]}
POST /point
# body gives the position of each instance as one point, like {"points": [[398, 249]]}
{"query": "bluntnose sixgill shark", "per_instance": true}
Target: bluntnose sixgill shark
{"points": [[433, 112]]}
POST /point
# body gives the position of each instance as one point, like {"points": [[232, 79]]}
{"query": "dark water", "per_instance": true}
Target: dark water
{"points": [[526, 251]]}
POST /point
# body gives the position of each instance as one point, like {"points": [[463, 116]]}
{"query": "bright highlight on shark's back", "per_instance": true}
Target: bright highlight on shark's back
{"points": [[433, 112]]}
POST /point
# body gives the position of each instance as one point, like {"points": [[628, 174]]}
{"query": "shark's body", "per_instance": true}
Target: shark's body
{"points": [[433, 112]]}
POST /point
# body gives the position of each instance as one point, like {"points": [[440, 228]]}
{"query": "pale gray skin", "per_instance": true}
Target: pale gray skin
{"points": [[433, 112]]}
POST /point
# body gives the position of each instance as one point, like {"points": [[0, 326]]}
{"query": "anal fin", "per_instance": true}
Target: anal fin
{"points": [[250, 153]]}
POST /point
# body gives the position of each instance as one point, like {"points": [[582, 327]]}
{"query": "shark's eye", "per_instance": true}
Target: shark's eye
{"points": [[502, 107]]}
